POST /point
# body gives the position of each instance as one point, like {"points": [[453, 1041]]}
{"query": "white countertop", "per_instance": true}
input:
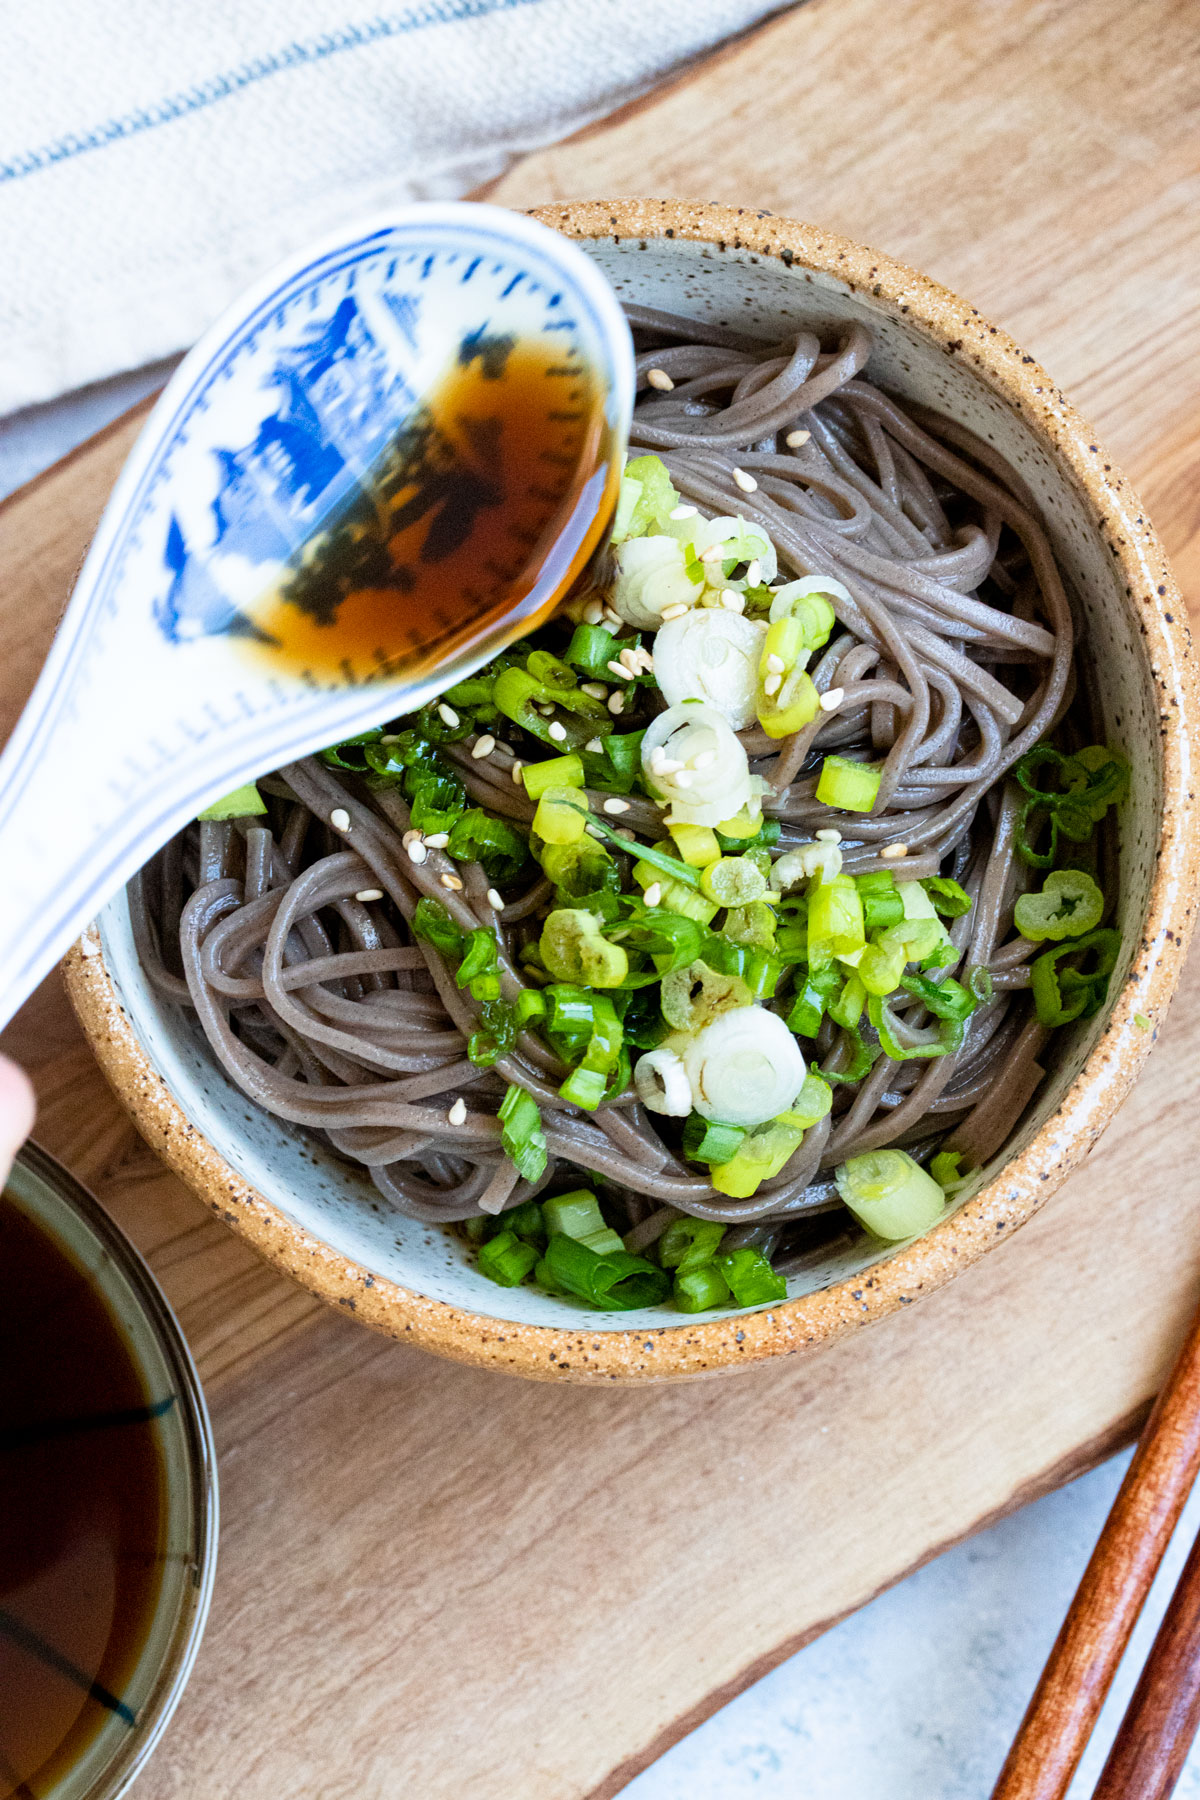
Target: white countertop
{"points": [[915, 1697]]}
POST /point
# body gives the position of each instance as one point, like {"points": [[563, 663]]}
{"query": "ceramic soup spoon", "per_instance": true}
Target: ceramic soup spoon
{"points": [[387, 462]]}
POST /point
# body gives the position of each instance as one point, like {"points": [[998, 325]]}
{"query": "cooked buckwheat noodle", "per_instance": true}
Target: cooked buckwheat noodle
{"points": [[954, 652]]}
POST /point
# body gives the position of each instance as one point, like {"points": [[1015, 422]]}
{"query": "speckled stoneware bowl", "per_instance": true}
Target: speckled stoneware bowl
{"points": [[325, 1224]]}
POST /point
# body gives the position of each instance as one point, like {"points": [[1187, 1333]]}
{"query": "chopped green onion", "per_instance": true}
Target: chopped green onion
{"points": [[506, 1260], [494, 843], [613, 1282], [530, 1004], [1141, 1021], [813, 995], [674, 896], [813, 1103], [432, 922], [890, 1194], [1063, 994], [555, 771], [1069, 906], [760, 834], [480, 967], [852, 786], [710, 1141], [846, 1006], [559, 818], [951, 900], [835, 920], [591, 650], [947, 1038], [752, 1280], [700, 1290], [585, 1087], [861, 1063], [882, 905], [697, 844], [650, 853], [946, 1170], [946, 999], [574, 948], [733, 881], [240, 804], [575, 1215], [689, 1243], [759, 1157], [521, 1134], [694, 995], [527, 1221], [646, 499]]}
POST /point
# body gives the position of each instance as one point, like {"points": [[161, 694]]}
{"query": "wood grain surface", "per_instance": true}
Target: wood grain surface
{"points": [[440, 1583]]}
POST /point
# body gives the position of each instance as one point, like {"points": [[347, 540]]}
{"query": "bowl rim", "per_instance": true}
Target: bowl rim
{"points": [[1026, 1182]]}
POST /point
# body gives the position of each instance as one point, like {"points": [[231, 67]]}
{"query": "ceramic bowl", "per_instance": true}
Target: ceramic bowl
{"points": [[325, 1225], [109, 1741]]}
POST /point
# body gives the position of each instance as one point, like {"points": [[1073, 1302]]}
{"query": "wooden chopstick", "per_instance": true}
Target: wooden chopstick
{"points": [[1081, 1666], [1151, 1747]]}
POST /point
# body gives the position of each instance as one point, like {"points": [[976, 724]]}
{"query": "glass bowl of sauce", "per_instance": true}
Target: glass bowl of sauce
{"points": [[108, 1496]]}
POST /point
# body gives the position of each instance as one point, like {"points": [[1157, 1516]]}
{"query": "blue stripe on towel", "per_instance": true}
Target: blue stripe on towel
{"points": [[220, 87]]}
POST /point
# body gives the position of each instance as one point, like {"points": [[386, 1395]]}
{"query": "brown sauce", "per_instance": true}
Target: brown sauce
{"points": [[82, 1510], [454, 525]]}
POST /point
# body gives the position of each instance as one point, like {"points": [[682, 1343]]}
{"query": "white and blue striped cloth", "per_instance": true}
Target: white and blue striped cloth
{"points": [[155, 156]]}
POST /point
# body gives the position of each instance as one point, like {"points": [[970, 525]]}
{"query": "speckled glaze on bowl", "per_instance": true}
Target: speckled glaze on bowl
{"points": [[326, 1226]]}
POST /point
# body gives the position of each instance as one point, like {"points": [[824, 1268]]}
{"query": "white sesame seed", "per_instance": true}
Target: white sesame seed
{"points": [[832, 699], [495, 900], [595, 746], [772, 684], [596, 689], [754, 573], [390, 737], [365, 894], [594, 831], [558, 732], [647, 662], [705, 760], [447, 715], [684, 778], [685, 512], [628, 658], [339, 818], [616, 806], [658, 378], [714, 553], [516, 772], [732, 601], [654, 893], [619, 669], [483, 746], [612, 617], [674, 612], [893, 852], [437, 840], [616, 702], [411, 837], [776, 664], [828, 835], [546, 709], [794, 439], [417, 852], [746, 482], [593, 612], [458, 1112], [452, 882]]}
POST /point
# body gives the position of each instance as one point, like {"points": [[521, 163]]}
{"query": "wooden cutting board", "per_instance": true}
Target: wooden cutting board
{"points": [[447, 1584]]}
